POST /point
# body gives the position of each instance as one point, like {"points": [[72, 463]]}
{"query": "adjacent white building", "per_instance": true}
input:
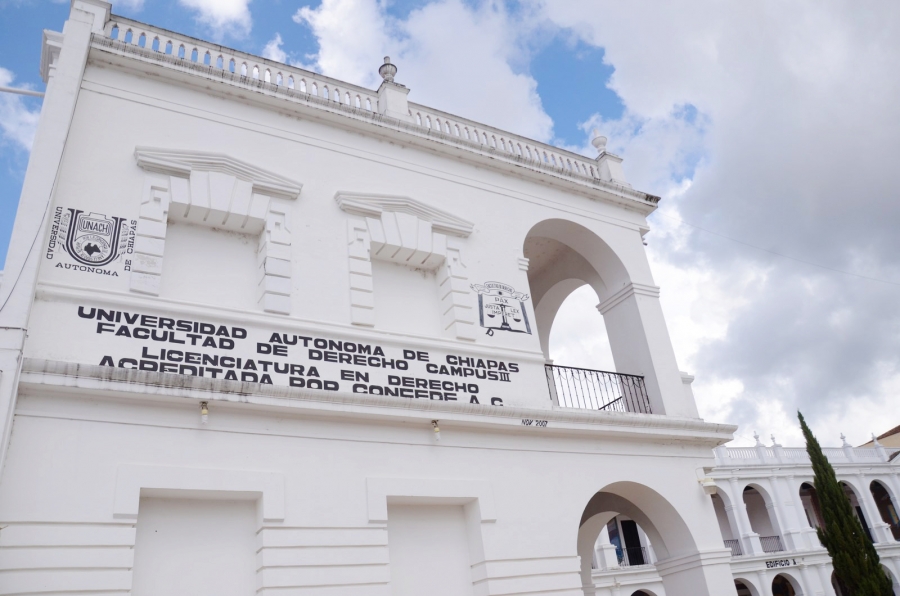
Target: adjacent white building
{"points": [[767, 509], [263, 331]]}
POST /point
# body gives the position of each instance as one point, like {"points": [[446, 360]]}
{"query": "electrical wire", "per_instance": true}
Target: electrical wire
{"points": [[37, 234], [778, 254]]}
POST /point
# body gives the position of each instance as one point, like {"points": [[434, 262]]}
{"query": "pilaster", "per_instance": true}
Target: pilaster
{"points": [[67, 54], [642, 346]]}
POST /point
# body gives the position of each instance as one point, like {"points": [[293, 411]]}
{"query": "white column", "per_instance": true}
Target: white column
{"points": [[641, 345], [750, 543], [824, 571], [604, 552], [808, 589], [764, 583], [785, 523], [22, 263]]}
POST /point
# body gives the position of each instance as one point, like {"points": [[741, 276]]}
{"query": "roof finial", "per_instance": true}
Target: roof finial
{"points": [[756, 436], [599, 141], [774, 442], [844, 441], [387, 70], [875, 442]]}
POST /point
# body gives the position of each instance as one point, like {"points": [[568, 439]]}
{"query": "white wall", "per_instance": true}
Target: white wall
{"points": [[429, 550], [195, 547]]}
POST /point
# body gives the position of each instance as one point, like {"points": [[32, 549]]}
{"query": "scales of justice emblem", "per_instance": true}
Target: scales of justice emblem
{"points": [[502, 308], [92, 238]]}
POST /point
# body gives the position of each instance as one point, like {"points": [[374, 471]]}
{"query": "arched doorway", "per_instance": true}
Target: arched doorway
{"points": [[782, 585], [763, 521], [564, 256], [811, 507], [855, 503], [886, 507], [665, 530], [731, 536], [745, 588]]}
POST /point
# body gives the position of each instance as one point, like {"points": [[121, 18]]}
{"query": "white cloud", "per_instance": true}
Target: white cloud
{"points": [[791, 149], [452, 56], [273, 50], [134, 5], [222, 17], [18, 122]]}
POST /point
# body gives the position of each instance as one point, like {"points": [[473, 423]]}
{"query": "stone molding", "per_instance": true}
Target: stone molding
{"points": [[178, 482], [627, 292], [428, 491], [407, 232], [68, 377], [215, 190]]}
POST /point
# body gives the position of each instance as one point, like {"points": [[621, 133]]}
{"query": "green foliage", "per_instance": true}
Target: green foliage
{"points": [[855, 561]]}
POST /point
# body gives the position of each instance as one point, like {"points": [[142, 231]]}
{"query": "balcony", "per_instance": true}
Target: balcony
{"points": [[597, 390], [771, 544], [735, 546]]}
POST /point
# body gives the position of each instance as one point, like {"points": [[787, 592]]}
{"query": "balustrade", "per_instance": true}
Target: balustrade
{"points": [[184, 52], [132, 36]]}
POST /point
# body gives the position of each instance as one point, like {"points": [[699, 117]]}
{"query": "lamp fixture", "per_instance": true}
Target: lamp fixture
{"points": [[437, 430], [204, 412]]}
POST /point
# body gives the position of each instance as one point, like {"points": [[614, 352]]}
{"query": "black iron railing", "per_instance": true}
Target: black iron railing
{"points": [[735, 547], [632, 556], [597, 390], [771, 544]]}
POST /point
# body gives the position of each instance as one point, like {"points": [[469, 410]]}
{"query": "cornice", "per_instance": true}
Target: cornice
{"points": [[51, 375], [182, 162], [373, 205]]}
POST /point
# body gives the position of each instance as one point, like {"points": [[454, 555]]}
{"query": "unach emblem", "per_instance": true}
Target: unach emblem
{"points": [[93, 238]]}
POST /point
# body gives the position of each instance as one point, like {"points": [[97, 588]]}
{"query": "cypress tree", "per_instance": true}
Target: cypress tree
{"points": [[855, 560]]}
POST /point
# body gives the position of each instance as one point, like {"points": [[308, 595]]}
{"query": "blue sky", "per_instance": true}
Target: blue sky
{"points": [[771, 131]]}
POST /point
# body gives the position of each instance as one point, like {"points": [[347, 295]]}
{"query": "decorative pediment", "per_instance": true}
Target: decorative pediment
{"points": [[372, 205], [181, 163]]}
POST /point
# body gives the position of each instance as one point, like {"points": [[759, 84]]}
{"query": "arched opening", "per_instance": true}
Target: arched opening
{"points": [[629, 524], [855, 503], [745, 588], [784, 585], [761, 511], [811, 507], [886, 507], [566, 260], [731, 536], [643, 593], [579, 340]]}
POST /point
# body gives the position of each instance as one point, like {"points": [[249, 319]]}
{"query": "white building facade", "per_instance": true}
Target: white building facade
{"points": [[267, 332], [768, 512]]}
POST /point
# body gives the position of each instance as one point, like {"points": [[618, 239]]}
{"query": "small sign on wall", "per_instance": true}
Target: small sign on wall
{"points": [[501, 308], [90, 242]]}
